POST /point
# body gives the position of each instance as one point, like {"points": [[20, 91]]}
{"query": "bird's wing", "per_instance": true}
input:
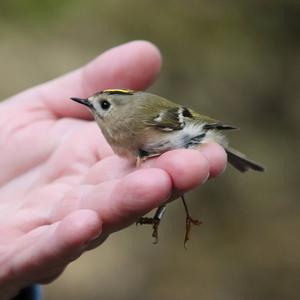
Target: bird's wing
{"points": [[174, 118], [171, 118], [219, 126]]}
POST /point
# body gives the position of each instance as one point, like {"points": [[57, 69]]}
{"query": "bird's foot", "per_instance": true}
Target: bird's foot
{"points": [[151, 221], [189, 221]]}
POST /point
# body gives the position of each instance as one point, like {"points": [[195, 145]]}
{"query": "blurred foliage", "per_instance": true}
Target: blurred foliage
{"points": [[238, 61]]}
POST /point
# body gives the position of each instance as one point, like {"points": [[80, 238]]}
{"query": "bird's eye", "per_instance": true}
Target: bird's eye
{"points": [[105, 105]]}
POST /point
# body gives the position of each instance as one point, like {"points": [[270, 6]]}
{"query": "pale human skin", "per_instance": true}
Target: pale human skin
{"points": [[62, 190]]}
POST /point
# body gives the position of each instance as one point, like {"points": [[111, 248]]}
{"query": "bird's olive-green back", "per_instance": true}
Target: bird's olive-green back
{"points": [[142, 108]]}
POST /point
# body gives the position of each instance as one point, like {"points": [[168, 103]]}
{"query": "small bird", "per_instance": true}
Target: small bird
{"points": [[139, 125]]}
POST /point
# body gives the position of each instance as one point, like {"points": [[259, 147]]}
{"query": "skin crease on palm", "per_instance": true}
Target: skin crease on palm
{"points": [[62, 190]]}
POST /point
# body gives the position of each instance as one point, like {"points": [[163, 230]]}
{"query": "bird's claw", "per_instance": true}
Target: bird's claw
{"points": [[189, 221]]}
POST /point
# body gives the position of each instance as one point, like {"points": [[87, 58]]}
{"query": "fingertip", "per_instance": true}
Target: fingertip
{"points": [[150, 59], [133, 65], [147, 48], [216, 157], [188, 168]]}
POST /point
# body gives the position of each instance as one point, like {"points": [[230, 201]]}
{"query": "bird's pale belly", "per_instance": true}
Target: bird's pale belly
{"points": [[191, 136]]}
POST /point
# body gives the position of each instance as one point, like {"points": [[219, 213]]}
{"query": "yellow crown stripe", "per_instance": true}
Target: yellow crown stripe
{"points": [[118, 91]]}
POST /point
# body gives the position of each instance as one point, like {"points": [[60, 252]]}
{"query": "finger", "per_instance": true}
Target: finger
{"points": [[216, 157], [187, 168], [121, 202], [109, 168], [190, 168], [133, 65], [74, 156], [74, 233], [46, 251]]}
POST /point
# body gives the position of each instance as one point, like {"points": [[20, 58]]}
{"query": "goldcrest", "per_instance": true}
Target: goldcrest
{"points": [[140, 125]]}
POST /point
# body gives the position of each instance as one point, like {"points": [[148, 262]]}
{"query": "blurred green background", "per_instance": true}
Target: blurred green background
{"points": [[238, 61]]}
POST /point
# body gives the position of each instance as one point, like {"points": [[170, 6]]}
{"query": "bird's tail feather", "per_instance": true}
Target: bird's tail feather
{"points": [[240, 162]]}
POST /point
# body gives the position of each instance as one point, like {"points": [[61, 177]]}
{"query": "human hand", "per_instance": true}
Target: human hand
{"points": [[62, 190]]}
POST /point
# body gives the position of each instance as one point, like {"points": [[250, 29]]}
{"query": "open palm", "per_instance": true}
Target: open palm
{"points": [[62, 190]]}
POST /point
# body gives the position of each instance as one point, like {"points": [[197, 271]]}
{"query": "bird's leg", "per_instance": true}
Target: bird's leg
{"points": [[154, 221], [143, 156], [139, 161], [188, 222]]}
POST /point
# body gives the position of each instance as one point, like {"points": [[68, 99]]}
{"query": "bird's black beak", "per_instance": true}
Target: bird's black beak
{"points": [[85, 102]]}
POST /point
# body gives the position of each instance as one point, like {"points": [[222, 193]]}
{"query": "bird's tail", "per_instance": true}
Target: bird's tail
{"points": [[240, 162]]}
